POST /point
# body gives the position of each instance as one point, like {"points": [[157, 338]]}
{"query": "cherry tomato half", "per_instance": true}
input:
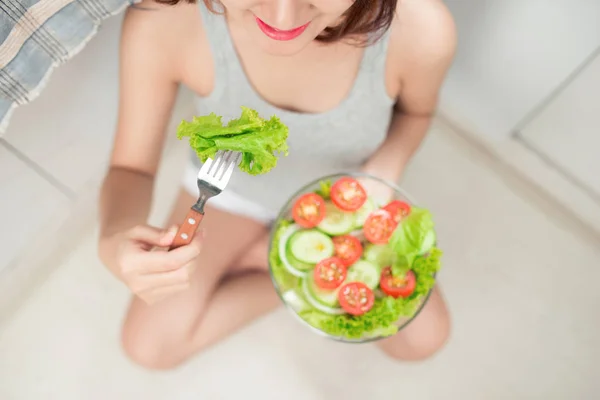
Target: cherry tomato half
{"points": [[348, 194], [347, 248], [397, 286], [330, 273], [379, 227], [398, 210], [309, 210], [356, 298]]}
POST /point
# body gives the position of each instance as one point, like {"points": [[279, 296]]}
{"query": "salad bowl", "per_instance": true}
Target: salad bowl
{"points": [[348, 265]]}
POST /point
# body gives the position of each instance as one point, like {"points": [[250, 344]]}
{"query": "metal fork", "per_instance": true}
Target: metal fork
{"points": [[212, 179]]}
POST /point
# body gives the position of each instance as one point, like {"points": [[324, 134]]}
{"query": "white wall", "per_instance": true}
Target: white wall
{"points": [[512, 54]]}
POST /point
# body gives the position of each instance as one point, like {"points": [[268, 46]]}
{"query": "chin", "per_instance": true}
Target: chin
{"points": [[283, 48]]}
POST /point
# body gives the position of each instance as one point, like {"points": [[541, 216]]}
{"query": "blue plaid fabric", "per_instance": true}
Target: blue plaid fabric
{"points": [[38, 35]]}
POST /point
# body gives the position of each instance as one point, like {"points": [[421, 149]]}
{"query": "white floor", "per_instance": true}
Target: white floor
{"points": [[521, 285]]}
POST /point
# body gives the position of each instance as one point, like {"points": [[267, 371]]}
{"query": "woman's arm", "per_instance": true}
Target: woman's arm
{"points": [[148, 87], [427, 42]]}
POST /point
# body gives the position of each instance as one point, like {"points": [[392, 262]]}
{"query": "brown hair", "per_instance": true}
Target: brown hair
{"points": [[364, 17]]}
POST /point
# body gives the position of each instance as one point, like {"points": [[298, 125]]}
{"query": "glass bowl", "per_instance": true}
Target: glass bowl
{"points": [[291, 285]]}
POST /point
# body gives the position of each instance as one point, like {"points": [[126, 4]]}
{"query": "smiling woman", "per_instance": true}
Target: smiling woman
{"points": [[355, 82]]}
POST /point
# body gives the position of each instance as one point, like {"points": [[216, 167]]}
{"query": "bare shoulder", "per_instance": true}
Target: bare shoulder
{"points": [[424, 28], [423, 37], [162, 34]]}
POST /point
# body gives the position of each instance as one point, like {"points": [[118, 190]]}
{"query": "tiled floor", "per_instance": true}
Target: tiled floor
{"points": [[521, 287]]}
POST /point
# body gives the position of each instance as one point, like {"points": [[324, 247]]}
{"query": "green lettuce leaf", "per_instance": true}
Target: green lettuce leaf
{"points": [[259, 140], [324, 189], [413, 237]]}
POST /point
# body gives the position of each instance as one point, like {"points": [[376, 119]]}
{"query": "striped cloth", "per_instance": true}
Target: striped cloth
{"points": [[38, 35]]}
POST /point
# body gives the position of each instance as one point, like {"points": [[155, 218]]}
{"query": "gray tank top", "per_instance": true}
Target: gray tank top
{"points": [[339, 140]]}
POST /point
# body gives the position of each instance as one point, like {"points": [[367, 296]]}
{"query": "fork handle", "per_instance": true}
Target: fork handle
{"points": [[187, 229]]}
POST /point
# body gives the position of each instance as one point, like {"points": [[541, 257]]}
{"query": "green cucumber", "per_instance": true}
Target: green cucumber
{"points": [[297, 264], [283, 251], [325, 297], [361, 215], [317, 302], [336, 221], [379, 254], [310, 246], [365, 272]]}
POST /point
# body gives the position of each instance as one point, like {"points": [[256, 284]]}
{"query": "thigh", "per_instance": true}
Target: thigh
{"points": [[227, 238]]}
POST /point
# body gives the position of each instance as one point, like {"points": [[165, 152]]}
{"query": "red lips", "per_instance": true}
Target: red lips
{"points": [[278, 34]]}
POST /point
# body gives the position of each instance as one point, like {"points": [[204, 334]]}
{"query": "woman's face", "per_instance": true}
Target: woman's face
{"points": [[284, 27]]}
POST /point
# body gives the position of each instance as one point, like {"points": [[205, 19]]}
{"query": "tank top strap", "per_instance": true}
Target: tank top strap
{"points": [[371, 76], [227, 66]]}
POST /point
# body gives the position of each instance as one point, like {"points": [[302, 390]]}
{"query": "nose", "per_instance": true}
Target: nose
{"points": [[286, 14]]}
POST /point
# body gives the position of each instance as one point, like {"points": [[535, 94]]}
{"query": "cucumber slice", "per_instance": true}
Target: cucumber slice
{"points": [[311, 246], [297, 264], [325, 297], [336, 221], [360, 216], [365, 272], [310, 297], [379, 254], [283, 251]]}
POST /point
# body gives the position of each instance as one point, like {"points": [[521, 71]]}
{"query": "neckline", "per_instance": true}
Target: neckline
{"points": [[349, 100]]}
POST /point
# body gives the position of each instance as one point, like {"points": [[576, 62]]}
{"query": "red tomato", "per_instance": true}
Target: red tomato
{"points": [[379, 227], [356, 298], [398, 210], [347, 248], [348, 194], [397, 286], [330, 273], [309, 210]]}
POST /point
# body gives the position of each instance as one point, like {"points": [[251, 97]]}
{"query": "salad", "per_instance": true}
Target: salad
{"points": [[349, 267], [259, 140]]}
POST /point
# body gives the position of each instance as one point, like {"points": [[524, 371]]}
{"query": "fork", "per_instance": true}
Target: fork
{"points": [[212, 179]]}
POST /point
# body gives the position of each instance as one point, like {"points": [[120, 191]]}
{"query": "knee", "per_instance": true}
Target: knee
{"points": [[148, 350], [419, 345]]}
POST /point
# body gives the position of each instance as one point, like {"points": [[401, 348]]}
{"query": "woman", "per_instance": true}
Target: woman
{"points": [[356, 81]]}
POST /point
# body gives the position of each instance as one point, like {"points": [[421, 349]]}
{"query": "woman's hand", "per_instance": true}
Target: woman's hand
{"points": [[139, 259]]}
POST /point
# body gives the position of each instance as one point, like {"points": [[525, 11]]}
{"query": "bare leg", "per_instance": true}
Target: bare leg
{"points": [[165, 334], [424, 336]]}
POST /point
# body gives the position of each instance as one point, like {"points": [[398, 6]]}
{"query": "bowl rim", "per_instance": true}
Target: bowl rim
{"points": [[274, 228]]}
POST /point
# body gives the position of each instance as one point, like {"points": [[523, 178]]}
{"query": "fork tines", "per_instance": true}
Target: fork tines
{"points": [[219, 169]]}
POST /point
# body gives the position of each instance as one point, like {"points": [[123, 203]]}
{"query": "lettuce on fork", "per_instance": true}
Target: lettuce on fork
{"points": [[259, 140]]}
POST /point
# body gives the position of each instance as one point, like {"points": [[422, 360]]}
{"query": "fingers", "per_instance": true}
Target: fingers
{"points": [[154, 275], [153, 236], [162, 261]]}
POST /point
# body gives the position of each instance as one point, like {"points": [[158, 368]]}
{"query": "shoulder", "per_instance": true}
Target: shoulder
{"points": [[162, 34], [423, 28], [422, 36]]}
